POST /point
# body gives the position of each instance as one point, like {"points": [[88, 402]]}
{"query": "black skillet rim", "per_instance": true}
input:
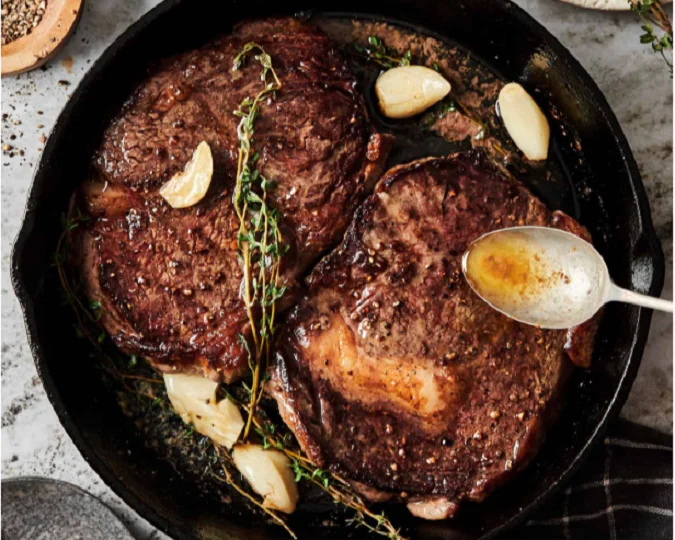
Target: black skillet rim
{"points": [[118, 487]]}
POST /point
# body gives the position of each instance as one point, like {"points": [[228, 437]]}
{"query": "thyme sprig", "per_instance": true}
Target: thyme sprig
{"points": [[652, 14], [378, 52], [259, 238]]}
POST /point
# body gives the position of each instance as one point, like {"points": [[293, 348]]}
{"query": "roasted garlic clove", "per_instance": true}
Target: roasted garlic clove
{"points": [[408, 90], [524, 121], [189, 187], [270, 475], [433, 509], [194, 399]]}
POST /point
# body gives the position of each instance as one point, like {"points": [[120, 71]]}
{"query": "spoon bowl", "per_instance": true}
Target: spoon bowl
{"points": [[544, 277]]}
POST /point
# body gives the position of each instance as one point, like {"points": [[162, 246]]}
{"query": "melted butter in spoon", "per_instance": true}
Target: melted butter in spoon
{"points": [[508, 269], [543, 276], [528, 274]]}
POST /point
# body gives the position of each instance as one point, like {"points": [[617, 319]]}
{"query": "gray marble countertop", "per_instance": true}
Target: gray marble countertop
{"points": [[635, 81]]}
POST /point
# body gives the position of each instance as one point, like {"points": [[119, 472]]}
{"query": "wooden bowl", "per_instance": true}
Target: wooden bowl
{"points": [[31, 51]]}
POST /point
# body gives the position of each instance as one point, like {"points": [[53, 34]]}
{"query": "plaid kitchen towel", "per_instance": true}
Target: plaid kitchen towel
{"points": [[623, 492]]}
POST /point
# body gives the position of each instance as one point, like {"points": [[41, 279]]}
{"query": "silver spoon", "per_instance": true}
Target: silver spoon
{"points": [[545, 277]]}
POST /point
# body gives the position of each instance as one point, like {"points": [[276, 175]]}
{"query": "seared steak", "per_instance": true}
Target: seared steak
{"points": [[168, 279], [393, 373]]}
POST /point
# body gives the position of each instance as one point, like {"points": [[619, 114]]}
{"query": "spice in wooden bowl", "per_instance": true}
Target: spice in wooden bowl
{"points": [[19, 17], [34, 30]]}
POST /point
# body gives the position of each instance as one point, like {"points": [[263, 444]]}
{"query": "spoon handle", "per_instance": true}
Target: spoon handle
{"points": [[618, 294]]}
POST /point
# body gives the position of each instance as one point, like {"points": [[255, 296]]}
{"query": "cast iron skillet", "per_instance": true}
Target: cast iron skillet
{"points": [[615, 211]]}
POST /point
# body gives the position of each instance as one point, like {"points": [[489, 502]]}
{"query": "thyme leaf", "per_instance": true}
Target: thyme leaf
{"points": [[95, 307], [450, 106]]}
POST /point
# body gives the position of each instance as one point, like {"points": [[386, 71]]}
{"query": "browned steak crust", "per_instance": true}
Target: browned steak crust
{"points": [[169, 279], [393, 373]]}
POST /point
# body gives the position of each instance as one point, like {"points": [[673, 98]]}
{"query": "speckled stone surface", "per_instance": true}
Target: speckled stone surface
{"points": [[635, 81], [44, 509]]}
